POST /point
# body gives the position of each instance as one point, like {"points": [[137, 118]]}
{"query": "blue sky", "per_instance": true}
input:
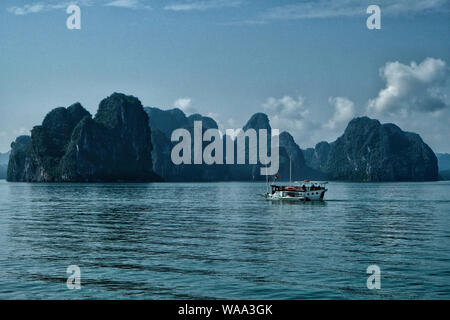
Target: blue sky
{"points": [[310, 65]]}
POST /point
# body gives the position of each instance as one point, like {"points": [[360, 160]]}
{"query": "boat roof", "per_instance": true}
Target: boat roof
{"points": [[312, 182], [299, 183]]}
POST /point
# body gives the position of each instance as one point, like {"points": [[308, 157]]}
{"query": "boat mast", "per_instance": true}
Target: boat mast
{"points": [[290, 171]]}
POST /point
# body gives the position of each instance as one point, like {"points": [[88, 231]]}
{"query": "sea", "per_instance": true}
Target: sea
{"points": [[223, 241]]}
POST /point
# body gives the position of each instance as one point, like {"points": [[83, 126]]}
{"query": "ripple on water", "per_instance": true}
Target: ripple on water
{"points": [[222, 240]]}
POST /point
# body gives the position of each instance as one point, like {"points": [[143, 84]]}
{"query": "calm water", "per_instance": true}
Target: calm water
{"points": [[222, 240]]}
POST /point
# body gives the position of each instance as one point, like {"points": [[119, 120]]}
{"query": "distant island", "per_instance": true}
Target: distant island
{"points": [[126, 142], [444, 165], [4, 158]]}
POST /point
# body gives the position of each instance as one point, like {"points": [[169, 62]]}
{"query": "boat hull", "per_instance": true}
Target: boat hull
{"points": [[300, 196]]}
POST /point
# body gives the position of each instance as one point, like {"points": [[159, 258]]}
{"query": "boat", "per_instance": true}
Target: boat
{"points": [[299, 191]]}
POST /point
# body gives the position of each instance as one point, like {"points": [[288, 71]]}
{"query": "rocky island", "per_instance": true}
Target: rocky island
{"points": [[163, 122], [4, 158], [371, 151], [70, 145], [127, 142], [444, 165]]}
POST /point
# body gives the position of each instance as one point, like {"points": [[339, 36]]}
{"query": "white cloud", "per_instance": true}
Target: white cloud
{"points": [[202, 5], [49, 5], [231, 122], [42, 6], [292, 115], [128, 4], [21, 132], [286, 107], [26, 9], [344, 111], [212, 115], [185, 105], [314, 9], [416, 98], [396, 7], [412, 88]]}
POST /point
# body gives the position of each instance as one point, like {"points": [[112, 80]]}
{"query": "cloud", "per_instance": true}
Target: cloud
{"points": [[292, 115], [416, 98], [50, 5], [344, 111], [286, 107], [314, 9], [21, 132], [185, 105], [202, 5], [414, 87], [318, 9], [212, 115], [8, 136], [26, 9], [42, 6], [397, 7], [128, 4], [231, 122]]}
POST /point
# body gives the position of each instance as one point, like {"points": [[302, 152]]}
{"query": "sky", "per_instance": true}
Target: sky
{"points": [[310, 65]]}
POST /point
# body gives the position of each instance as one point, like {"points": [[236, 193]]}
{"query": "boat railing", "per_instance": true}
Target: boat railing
{"points": [[298, 188]]}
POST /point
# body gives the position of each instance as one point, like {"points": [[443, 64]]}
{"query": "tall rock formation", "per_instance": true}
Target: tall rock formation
{"points": [[162, 124], [19, 161], [371, 151], [292, 159], [71, 146], [124, 142], [247, 171]]}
